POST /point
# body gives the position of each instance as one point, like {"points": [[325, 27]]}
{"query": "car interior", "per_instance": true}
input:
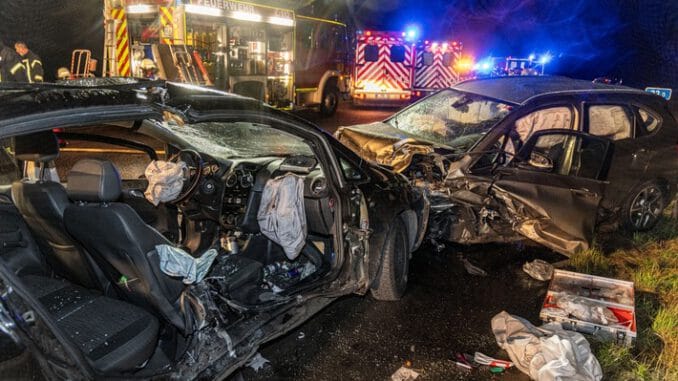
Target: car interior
{"points": [[77, 230]]}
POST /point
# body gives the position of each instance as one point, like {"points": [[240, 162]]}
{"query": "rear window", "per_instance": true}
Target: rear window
{"points": [[397, 53], [448, 59], [428, 59], [371, 53]]}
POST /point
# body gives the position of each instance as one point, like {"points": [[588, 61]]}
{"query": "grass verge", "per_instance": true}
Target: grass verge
{"points": [[650, 260]]}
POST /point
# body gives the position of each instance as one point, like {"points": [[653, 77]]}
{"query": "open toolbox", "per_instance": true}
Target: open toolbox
{"points": [[593, 305]]}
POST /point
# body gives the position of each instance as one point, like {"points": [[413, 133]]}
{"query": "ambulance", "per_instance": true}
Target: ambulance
{"points": [[268, 53], [439, 65], [384, 68]]}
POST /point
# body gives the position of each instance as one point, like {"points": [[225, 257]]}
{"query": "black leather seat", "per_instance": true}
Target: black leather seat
{"points": [[121, 243], [42, 204], [114, 336]]}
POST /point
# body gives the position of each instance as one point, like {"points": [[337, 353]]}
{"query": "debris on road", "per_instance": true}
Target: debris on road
{"points": [[301, 335], [539, 269], [404, 374], [471, 268], [257, 362], [546, 353], [484, 359], [463, 366]]}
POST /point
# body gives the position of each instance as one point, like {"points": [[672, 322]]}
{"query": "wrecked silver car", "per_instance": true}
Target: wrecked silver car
{"points": [[155, 230], [545, 158]]}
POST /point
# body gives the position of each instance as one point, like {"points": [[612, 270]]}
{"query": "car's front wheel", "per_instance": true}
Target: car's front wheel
{"points": [[392, 279], [644, 206]]}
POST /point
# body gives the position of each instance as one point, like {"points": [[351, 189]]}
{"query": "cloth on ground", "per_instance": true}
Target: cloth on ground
{"points": [[546, 353], [539, 269], [178, 263], [585, 309], [282, 216], [165, 181]]}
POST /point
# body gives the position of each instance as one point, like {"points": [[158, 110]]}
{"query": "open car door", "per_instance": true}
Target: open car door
{"points": [[553, 187]]}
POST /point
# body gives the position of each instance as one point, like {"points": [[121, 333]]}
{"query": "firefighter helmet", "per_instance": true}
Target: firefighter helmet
{"points": [[147, 64], [63, 73]]}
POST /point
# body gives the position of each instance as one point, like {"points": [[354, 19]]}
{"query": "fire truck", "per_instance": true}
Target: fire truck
{"points": [[267, 53], [437, 66], [384, 68]]}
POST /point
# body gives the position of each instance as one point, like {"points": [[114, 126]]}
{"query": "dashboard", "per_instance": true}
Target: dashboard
{"points": [[230, 191]]}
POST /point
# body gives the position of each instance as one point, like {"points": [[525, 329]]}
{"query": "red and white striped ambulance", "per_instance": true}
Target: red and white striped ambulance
{"points": [[437, 66], [384, 69]]}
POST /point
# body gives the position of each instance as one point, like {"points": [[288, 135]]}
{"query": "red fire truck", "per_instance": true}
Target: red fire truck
{"points": [[268, 53], [384, 69], [437, 66]]}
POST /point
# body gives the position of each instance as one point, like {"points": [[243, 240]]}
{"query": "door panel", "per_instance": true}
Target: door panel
{"points": [[555, 203]]}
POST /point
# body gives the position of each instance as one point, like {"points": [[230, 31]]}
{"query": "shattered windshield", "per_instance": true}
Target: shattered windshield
{"points": [[240, 140], [451, 118]]}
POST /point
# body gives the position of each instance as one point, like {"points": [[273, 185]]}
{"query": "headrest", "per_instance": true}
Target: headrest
{"points": [[94, 180], [41, 147]]}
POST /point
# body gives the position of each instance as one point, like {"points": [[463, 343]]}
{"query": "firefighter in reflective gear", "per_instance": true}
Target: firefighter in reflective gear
{"points": [[11, 68], [31, 62]]}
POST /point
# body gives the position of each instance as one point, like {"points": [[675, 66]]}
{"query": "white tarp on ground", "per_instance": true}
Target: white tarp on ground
{"points": [[282, 216], [546, 353]]}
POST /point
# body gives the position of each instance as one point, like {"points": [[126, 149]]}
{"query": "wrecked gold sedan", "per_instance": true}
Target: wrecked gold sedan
{"points": [[550, 159]]}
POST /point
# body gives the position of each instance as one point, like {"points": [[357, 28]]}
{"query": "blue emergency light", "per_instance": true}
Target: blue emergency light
{"points": [[546, 58]]}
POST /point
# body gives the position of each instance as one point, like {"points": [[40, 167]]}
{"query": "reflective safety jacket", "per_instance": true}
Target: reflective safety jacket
{"points": [[11, 67], [33, 67]]}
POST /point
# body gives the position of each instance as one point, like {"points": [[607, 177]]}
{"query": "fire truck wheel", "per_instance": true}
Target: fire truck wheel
{"points": [[330, 101]]}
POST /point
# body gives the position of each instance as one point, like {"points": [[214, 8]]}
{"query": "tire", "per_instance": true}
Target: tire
{"points": [[391, 280], [644, 206], [330, 100]]}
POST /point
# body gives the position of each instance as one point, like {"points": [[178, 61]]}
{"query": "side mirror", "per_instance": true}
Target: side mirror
{"points": [[538, 161]]}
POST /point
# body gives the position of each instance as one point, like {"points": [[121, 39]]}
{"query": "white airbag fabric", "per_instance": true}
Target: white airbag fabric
{"points": [[178, 263], [281, 216], [546, 353], [165, 181]]}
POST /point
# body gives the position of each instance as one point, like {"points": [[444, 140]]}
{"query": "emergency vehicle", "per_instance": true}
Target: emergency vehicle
{"points": [[245, 48], [525, 66], [384, 68], [437, 66], [502, 66]]}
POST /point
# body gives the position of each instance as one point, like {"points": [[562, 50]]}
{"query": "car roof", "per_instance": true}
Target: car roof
{"points": [[26, 99], [520, 89]]}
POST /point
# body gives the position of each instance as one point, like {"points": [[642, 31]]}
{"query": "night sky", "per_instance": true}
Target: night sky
{"points": [[636, 40]]}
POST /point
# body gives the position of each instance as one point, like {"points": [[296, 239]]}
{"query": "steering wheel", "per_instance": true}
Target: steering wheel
{"points": [[192, 176]]}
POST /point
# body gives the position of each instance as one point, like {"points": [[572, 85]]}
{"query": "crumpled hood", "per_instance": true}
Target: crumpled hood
{"points": [[382, 143]]}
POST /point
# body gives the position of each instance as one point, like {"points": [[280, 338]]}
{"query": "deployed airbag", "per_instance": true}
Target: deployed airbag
{"points": [[281, 216], [165, 181], [178, 263]]}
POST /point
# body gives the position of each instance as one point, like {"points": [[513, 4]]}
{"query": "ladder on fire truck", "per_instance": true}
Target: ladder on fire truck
{"points": [[183, 60], [110, 66]]}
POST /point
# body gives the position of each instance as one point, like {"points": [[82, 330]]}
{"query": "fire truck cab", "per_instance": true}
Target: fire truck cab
{"points": [[436, 66], [384, 69], [241, 47]]}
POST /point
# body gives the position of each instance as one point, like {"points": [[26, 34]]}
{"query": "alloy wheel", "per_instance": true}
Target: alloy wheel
{"points": [[646, 207]]}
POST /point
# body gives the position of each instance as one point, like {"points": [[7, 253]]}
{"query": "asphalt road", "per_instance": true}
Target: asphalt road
{"points": [[346, 115], [444, 311]]}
